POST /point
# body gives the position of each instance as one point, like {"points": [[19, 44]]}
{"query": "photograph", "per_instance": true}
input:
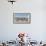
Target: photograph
{"points": [[21, 18], [22, 22]]}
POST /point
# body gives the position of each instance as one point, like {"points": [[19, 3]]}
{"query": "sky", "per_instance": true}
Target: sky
{"points": [[22, 14]]}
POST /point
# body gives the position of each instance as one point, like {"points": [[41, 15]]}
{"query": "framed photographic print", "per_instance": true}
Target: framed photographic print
{"points": [[21, 18]]}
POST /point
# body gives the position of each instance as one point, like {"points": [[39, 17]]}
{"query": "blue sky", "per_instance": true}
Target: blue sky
{"points": [[22, 14]]}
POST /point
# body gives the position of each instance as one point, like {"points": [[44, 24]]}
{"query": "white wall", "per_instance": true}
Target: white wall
{"points": [[37, 28]]}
